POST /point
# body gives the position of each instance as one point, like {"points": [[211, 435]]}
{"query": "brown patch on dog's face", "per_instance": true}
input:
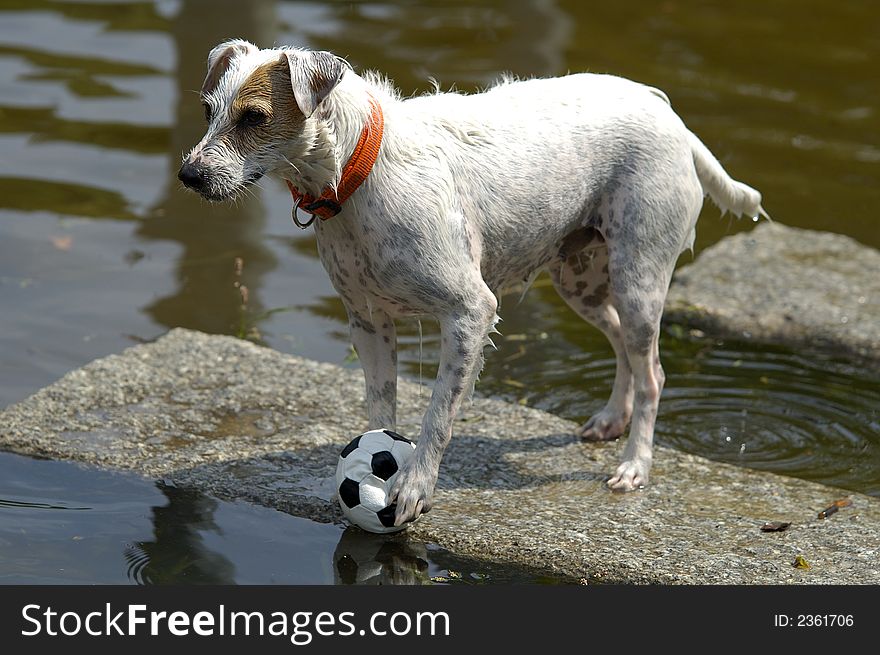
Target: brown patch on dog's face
{"points": [[265, 112]]}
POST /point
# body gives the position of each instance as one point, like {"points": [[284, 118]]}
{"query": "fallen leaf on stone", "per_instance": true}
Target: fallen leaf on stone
{"points": [[774, 526], [800, 563], [451, 576]]}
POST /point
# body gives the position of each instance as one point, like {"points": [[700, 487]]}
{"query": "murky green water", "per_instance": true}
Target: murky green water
{"points": [[101, 249], [61, 523]]}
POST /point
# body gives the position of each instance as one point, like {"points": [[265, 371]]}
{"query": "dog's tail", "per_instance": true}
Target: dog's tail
{"points": [[725, 192]]}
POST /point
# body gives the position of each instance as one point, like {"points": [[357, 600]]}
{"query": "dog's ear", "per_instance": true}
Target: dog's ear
{"points": [[219, 59], [313, 75]]}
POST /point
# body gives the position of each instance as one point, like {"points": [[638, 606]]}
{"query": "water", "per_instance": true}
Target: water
{"points": [[101, 250], [61, 523]]}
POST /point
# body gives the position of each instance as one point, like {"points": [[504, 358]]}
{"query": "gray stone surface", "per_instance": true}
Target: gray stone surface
{"points": [[240, 421], [784, 285]]}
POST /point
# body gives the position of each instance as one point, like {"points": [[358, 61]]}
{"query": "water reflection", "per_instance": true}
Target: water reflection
{"points": [[195, 537], [470, 44], [211, 235], [362, 558], [177, 553]]}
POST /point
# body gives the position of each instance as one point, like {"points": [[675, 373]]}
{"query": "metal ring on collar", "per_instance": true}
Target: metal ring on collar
{"points": [[295, 218]]}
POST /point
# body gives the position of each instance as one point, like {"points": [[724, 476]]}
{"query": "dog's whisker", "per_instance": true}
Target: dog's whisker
{"points": [[249, 192], [291, 164]]}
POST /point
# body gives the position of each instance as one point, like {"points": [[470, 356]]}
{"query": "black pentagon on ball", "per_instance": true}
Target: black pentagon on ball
{"points": [[350, 447], [384, 465], [349, 493], [386, 516], [396, 437]]}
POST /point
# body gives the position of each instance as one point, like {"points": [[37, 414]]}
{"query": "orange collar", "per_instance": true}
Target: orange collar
{"points": [[359, 165]]}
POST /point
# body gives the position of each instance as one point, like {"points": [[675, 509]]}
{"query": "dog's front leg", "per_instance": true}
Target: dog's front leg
{"points": [[374, 339], [463, 335]]}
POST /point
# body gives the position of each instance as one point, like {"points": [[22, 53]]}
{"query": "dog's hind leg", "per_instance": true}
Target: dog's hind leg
{"points": [[581, 279], [375, 341], [639, 282]]}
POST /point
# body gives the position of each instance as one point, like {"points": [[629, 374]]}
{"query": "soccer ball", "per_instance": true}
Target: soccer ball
{"points": [[365, 474]]}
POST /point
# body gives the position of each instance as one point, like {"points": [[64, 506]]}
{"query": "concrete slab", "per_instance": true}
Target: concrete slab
{"points": [[240, 421], [783, 285]]}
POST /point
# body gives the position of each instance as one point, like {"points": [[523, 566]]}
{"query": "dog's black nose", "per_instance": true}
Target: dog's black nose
{"points": [[192, 176]]}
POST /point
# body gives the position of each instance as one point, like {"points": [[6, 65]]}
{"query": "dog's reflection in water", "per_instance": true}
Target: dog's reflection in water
{"points": [[363, 558]]}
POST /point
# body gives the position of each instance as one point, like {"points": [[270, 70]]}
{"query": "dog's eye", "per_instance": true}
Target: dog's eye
{"points": [[252, 118]]}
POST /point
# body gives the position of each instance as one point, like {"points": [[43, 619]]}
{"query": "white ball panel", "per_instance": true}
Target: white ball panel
{"points": [[389, 483], [356, 466], [375, 441], [402, 452], [373, 493], [364, 518], [340, 472], [360, 515]]}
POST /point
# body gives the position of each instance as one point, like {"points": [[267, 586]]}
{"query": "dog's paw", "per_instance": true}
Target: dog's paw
{"points": [[603, 426], [413, 491], [630, 475]]}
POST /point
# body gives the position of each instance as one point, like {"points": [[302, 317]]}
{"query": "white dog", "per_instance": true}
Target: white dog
{"points": [[434, 205]]}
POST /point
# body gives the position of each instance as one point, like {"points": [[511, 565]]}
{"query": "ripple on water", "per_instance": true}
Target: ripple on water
{"points": [[771, 409], [779, 411]]}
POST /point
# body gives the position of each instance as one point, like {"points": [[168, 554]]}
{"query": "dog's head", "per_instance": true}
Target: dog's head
{"points": [[258, 105]]}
